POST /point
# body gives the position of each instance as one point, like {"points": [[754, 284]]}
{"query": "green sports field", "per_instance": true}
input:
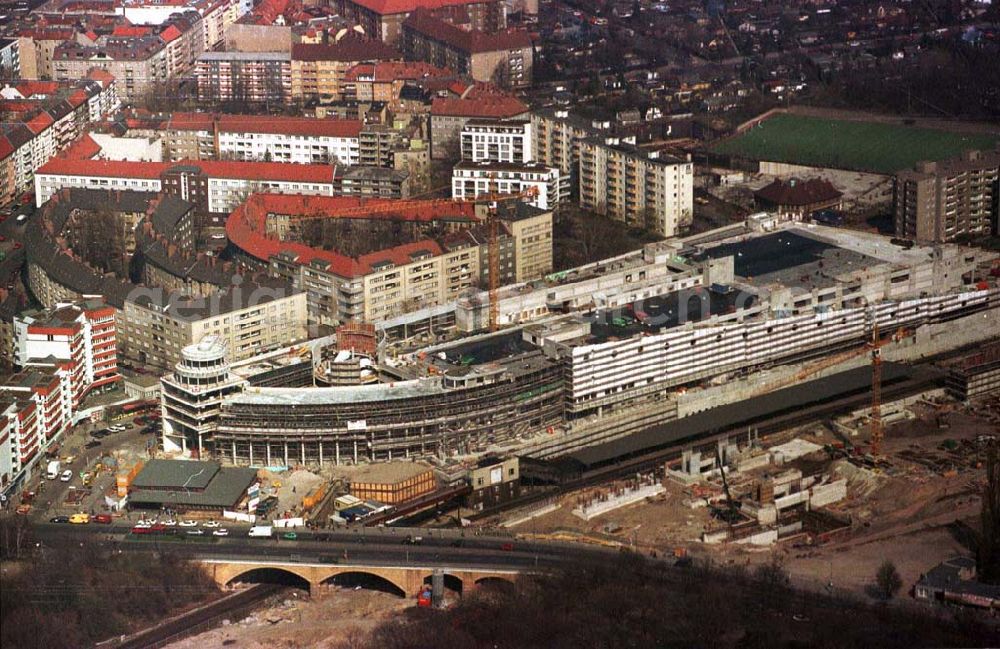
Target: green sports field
{"points": [[844, 144]]}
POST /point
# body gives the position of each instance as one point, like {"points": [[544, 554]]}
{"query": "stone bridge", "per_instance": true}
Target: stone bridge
{"points": [[407, 580]]}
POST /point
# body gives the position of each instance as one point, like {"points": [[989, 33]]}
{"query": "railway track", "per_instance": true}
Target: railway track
{"points": [[655, 459], [196, 621]]}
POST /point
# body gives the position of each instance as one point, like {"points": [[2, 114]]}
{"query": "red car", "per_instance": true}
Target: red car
{"points": [[141, 530], [103, 519], [507, 547]]}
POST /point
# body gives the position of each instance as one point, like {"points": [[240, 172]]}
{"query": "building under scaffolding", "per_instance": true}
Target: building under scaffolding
{"points": [[976, 376], [463, 408]]}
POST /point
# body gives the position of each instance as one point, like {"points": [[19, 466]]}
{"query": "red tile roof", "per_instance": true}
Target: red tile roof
{"points": [[32, 88], [347, 49], [266, 124], [39, 123], [273, 171], [495, 106], [471, 41], [100, 75], [130, 30], [5, 148], [103, 168], [387, 7], [82, 148], [246, 228], [170, 34]]}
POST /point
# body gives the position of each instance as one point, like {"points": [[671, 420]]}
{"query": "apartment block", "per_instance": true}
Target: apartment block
{"points": [[49, 389], [940, 201], [142, 65], [449, 115], [505, 58], [10, 58], [214, 187], [384, 19], [473, 179], [318, 70], [63, 111], [207, 136], [80, 336], [376, 182], [248, 318], [245, 77], [643, 189], [491, 140]]}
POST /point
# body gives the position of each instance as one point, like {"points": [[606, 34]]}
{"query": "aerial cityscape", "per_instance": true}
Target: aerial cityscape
{"points": [[393, 324]]}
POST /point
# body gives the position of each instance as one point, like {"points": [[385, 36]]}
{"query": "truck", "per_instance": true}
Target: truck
{"points": [[261, 531], [52, 472]]}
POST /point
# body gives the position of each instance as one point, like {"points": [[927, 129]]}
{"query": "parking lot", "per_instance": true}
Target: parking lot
{"points": [[91, 453]]}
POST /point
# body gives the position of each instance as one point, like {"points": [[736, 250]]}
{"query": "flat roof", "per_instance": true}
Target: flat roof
{"points": [[737, 415], [388, 472], [157, 484], [789, 257], [665, 311]]}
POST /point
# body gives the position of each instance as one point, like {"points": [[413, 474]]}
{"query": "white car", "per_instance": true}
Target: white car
{"points": [[221, 532], [117, 428], [188, 523], [218, 236], [143, 524], [210, 524], [66, 476], [169, 522]]}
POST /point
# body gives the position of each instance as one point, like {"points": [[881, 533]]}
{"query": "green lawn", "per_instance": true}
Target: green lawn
{"points": [[844, 144]]}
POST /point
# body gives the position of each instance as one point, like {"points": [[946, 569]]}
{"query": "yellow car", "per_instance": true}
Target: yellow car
{"points": [[79, 519]]}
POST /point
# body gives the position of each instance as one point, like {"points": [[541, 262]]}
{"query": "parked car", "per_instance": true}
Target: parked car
{"points": [[195, 532], [59, 519], [210, 524], [66, 476], [188, 523], [221, 532], [103, 519], [79, 519], [507, 547], [92, 444], [289, 536]]}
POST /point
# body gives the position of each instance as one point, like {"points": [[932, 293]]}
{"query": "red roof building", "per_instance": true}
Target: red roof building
{"points": [[798, 197]]}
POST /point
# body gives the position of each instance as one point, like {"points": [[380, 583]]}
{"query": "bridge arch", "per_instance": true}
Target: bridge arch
{"points": [[491, 581], [271, 575], [368, 580], [452, 582]]}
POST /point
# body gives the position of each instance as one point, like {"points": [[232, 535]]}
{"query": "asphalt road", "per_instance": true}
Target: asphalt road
{"points": [[365, 546]]}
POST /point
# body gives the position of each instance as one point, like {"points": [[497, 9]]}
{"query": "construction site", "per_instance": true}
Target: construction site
{"points": [[899, 479]]}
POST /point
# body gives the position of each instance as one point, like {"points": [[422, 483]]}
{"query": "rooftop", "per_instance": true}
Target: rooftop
{"points": [[388, 472], [190, 483]]}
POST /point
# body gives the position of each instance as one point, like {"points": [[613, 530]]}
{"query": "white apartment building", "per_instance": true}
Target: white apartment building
{"points": [[204, 136], [216, 187], [94, 174], [644, 189], [491, 140], [471, 179]]}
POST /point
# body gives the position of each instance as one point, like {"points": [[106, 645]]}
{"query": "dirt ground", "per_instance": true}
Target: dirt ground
{"points": [[906, 510], [324, 621]]}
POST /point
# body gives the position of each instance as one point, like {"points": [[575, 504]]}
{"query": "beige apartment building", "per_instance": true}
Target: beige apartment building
{"points": [[939, 201], [643, 189], [318, 70], [154, 326]]}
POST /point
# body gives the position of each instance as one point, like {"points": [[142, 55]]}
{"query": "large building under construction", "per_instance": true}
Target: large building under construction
{"points": [[679, 315]]}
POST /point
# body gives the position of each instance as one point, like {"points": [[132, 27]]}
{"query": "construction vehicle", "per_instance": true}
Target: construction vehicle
{"points": [[731, 511], [491, 199]]}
